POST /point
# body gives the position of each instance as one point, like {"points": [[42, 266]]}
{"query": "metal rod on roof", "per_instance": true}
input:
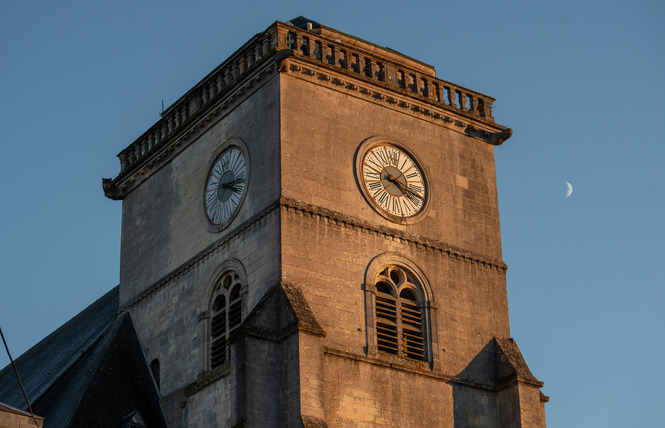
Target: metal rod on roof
{"points": [[18, 377]]}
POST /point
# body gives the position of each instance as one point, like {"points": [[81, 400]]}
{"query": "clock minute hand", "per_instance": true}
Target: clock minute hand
{"points": [[231, 184], [403, 188]]}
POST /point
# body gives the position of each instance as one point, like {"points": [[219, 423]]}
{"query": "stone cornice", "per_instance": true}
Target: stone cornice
{"points": [[421, 369], [320, 55], [330, 216], [395, 99], [405, 365], [350, 222], [203, 255], [151, 160], [384, 67]]}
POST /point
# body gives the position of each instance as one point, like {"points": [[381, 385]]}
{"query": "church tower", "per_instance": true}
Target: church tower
{"points": [[310, 236]]}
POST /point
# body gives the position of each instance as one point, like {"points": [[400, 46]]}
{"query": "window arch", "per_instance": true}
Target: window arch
{"points": [[399, 308], [225, 315]]}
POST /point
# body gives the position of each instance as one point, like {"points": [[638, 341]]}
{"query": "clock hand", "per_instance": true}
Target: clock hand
{"points": [[231, 184], [403, 188]]}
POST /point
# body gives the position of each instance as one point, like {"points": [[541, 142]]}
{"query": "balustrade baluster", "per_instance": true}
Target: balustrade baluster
{"points": [[151, 142], [219, 83], [473, 102], [249, 58], [318, 50], [123, 161], [401, 79], [336, 57], [390, 75], [265, 46], [451, 96], [291, 41], [374, 69], [242, 65], [204, 94], [131, 156], [164, 130], [278, 39], [301, 45], [436, 92], [227, 76], [354, 60], [488, 109], [257, 52], [177, 117], [235, 70], [185, 112]]}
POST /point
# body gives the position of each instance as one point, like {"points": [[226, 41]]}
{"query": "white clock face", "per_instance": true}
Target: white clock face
{"points": [[226, 186], [394, 181]]}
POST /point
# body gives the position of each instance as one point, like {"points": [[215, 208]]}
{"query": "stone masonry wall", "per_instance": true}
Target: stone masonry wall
{"points": [[164, 222]]}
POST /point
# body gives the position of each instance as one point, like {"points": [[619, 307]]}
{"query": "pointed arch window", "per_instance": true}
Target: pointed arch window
{"points": [[226, 316], [400, 316]]}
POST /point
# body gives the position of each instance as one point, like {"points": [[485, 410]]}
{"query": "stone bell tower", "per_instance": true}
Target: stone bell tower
{"points": [[310, 236]]}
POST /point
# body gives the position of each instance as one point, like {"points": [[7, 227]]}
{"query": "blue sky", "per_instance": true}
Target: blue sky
{"points": [[581, 83]]}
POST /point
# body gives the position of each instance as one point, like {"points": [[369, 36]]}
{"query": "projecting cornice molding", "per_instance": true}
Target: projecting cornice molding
{"points": [[321, 56], [350, 222], [398, 100], [317, 213], [145, 157]]}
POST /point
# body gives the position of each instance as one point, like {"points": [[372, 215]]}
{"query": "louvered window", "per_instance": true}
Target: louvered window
{"points": [[226, 316], [399, 314]]}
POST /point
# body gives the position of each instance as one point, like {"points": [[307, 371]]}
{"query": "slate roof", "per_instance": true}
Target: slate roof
{"points": [[89, 372], [45, 362]]}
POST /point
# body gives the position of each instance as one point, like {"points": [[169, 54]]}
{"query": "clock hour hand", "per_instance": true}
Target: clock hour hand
{"points": [[403, 188], [232, 184]]}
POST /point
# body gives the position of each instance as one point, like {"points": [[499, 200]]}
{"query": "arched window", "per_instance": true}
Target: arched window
{"points": [[400, 316], [226, 316]]}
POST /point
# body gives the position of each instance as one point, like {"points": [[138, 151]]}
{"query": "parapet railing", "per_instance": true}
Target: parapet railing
{"points": [[216, 83], [324, 50], [371, 66]]}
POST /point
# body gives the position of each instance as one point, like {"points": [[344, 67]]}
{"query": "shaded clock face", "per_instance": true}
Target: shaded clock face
{"points": [[393, 181], [225, 188]]}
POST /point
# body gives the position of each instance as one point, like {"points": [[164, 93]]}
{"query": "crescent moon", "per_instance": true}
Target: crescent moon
{"points": [[569, 189]]}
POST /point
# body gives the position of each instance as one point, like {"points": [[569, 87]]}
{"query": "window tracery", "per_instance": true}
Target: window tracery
{"points": [[226, 316], [399, 310]]}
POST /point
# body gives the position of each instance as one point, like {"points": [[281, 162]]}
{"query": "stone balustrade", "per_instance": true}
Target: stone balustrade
{"points": [[372, 65], [209, 89], [376, 65]]}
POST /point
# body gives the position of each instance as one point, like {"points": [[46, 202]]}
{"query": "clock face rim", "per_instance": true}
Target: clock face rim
{"points": [[227, 146], [361, 154]]}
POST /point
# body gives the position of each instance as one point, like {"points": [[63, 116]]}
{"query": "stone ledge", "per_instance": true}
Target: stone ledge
{"points": [[353, 223]]}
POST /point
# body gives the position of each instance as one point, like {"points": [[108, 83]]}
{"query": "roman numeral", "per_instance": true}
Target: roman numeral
{"points": [[414, 200], [415, 188], [371, 159], [383, 199], [383, 156], [372, 175]]}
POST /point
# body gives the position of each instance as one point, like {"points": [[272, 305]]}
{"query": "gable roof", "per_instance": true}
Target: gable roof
{"points": [[45, 362], [89, 372]]}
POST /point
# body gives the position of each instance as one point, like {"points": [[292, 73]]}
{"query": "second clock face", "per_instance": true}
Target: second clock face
{"points": [[394, 181], [225, 187]]}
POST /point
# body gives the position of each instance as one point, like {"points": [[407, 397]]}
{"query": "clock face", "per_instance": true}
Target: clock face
{"points": [[225, 187], [393, 181]]}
